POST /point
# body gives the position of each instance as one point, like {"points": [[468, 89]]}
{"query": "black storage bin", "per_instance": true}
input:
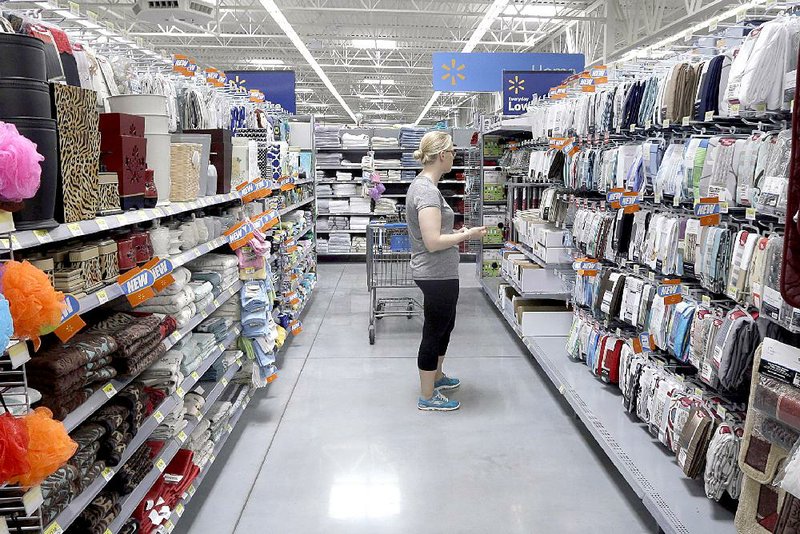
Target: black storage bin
{"points": [[22, 56], [37, 212], [24, 98]]}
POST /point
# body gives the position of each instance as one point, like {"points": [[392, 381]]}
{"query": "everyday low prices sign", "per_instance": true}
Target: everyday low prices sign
{"points": [[520, 87]]}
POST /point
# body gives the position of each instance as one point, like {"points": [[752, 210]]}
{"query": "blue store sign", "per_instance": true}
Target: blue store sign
{"points": [[480, 72], [521, 86], [277, 85]]}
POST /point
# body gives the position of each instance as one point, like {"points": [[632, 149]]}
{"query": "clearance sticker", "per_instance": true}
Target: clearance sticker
{"points": [[162, 272], [629, 202], [670, 290], [291, 246], [239, 235], [599, 74], [71, 322], [137, 285], [291, 297], [586, 83], [296, 327], [614, 196], [586, 266], [558, 142], [287, 183], [708, 210]]}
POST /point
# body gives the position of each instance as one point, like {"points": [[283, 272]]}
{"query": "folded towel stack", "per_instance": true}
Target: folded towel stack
{"points": [[156, 508], [346, 189], [193, 402], [355, 140], [386, 206], [101, 440], [219, 326], [219, 414], [410, 137], [226, 265], [66, 373], [360, 205], [138, 341], [384, 142], [327, 136], [165, 373], [194, 350], [173, 423]]}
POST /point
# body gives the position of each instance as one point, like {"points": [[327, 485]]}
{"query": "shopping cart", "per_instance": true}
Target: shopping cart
{"points": [[388, 257]]}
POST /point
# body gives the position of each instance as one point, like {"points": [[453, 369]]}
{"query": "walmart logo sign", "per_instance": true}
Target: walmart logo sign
{"points": [[516, 84], [453, 73], [521, 87], [483, 71]]}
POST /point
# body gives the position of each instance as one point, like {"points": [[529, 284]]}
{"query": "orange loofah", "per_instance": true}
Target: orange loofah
{"points": [[13, 447], [34, 303], [48, 449]]}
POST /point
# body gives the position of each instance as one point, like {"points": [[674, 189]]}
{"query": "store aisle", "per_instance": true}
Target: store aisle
{"points": [[337, 445]]}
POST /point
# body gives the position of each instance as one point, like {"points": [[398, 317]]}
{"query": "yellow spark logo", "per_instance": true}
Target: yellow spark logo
{"points": [[516, 85], [453, 72]]}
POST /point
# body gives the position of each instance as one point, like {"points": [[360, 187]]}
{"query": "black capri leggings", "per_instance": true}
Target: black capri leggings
{"points": [[441, 297]]}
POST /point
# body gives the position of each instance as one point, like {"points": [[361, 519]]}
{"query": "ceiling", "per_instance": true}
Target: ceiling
{"points": [[388, 77]]}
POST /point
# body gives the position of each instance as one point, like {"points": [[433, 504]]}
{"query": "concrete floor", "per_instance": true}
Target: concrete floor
{"points": [[336, 444]]}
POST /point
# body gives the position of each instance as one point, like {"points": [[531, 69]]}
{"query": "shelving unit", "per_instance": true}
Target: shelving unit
{"points": [[395, 189], [677, 504]]}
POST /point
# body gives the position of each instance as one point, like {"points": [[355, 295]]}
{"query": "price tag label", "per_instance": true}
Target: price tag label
{"points": [[709, 116], [109, 390], [734, 109], [102, 296], [75, 229], [648, 124], [722, 411], [705, 299], [102, 223], [191, 491], [204, 314], [761, 108], [741, 15], [665, 123], [216, 303], [213, 457], [54, 528], [19, 354], [107, 473], [168, 525], [32, 500], [180, 392], [142, 216], [161, 464], [713, 23], [750, 214], [224, 382], [633, 128], [195, 376], [179, 510], [698, 392], [182, 436], [15, 242], [221, 347], [676, 201], [228, 428], [159, 417], [175, 336], [685, 121], [652, 276], [74, 8], [42, 236]]}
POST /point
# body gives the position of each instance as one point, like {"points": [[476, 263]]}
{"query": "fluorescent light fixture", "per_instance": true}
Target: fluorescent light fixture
{"points": [[88, 24], [382, 112], [258, 62], [531, 11], [279, 18], [315, 104], [303, 90], [377, 81], [486, 22], [382, 44]]}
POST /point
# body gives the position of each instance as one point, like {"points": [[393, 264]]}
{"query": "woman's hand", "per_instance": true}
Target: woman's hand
{"points": [[474, 233]]}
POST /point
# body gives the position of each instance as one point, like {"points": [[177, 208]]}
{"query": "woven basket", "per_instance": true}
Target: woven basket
{"points": [[184, 171]]}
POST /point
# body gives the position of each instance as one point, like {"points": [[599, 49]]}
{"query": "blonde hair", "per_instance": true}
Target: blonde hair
{"points": [[432, 144]]}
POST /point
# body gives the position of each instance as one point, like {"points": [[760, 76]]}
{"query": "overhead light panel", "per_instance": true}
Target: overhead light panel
{"points": [[303, 90], [315, 104], [378, 81], [265, 62], [370, 44], [486, 22], [279, 18], [382, 112]]}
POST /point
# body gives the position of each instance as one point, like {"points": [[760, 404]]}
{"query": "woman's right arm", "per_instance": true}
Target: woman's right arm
{"points": [[430, 225]]}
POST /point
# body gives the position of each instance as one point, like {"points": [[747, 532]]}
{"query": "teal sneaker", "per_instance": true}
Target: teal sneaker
{"points": [[438, 403], [447, 382]]}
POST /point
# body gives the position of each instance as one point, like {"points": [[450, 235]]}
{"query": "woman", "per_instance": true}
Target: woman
{"points": [[434, 266]]}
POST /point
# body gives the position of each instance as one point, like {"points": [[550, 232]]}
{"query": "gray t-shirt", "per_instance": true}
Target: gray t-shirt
{"points": [[426, 265]]}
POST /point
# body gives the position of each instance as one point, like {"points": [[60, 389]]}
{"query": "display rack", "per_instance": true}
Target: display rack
{"points": [[678, 505], [396, 189]]}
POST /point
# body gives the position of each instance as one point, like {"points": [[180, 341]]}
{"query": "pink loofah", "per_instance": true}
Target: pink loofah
{"points": [[20, 172]]}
